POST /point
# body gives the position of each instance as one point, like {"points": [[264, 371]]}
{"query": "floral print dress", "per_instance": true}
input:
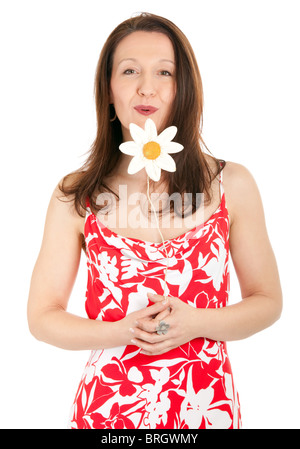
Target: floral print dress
{"points": [[190, 387]]}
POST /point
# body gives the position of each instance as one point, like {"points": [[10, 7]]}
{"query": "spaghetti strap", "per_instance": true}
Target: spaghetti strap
{"points": [[221, 181]]}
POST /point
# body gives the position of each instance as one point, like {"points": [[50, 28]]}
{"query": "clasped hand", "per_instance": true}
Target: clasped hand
{"points": [[180, 317]]}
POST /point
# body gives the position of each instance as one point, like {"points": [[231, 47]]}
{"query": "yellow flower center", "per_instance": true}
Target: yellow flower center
{"points": [[151, 150]]}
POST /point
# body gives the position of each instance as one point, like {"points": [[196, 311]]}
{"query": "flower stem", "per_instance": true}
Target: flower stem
{"points": [[157, 223]]}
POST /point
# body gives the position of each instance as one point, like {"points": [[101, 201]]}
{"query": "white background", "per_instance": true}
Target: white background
{"points": [[248, 54]]}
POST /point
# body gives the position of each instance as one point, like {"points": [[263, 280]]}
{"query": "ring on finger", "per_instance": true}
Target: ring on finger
{"points": [[162, 328]]}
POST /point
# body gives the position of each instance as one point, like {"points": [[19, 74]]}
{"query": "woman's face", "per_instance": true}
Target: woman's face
{"points": [[143, 80]]}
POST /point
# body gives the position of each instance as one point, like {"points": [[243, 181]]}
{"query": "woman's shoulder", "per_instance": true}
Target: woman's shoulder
{"points": [[237, 176], [67, 187], [62, 204], [233, 174], [240, 188]]}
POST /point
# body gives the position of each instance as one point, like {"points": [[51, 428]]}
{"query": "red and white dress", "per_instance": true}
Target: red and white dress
{"points": [[190, 387]]}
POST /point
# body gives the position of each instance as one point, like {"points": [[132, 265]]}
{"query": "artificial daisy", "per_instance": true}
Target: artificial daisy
{"points": [[151, 151]]}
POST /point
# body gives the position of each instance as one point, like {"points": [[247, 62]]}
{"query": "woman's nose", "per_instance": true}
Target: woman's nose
{"points": [[146, 87]]}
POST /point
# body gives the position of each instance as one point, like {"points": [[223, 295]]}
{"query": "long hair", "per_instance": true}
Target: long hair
{"points": [[193, 174]]}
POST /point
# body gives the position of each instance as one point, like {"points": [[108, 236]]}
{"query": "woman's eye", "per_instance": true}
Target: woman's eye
{"points": [[129, 72], [165, 73]]}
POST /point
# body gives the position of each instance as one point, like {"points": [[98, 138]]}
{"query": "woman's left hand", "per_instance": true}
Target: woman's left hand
{"points": [[183, 321]]}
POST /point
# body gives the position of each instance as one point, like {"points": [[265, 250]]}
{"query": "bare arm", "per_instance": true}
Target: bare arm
{"points": [[256, 270], [253, 260], [52, 281]]}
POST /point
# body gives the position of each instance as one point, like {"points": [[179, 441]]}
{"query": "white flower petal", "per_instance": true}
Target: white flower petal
{"points": [[130, 148], [150, 130], [172, 147], [167, 135], [136, 164], [153, 171], [166, 162], [137, 133]]}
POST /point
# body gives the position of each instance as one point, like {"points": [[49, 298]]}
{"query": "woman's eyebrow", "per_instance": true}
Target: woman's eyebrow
{"points": [[127, 59], [135, 60], [167, 60]]}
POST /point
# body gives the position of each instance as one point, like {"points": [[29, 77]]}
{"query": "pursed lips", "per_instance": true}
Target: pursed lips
{"points": [[145, 109]]}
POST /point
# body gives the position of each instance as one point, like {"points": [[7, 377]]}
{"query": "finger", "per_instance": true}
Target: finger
{"points": [[172, 301], [150, 325], [162, 315], [155, 298], [146, 325], [148, 331], [141, 337], [160, 352], [152, 349], [152, 310]]}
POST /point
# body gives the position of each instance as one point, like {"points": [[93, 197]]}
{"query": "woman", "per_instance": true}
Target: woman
{"points": [[156, 297]]}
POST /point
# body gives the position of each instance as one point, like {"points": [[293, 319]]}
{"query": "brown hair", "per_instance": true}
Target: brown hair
{"points": [[193, 174]]}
